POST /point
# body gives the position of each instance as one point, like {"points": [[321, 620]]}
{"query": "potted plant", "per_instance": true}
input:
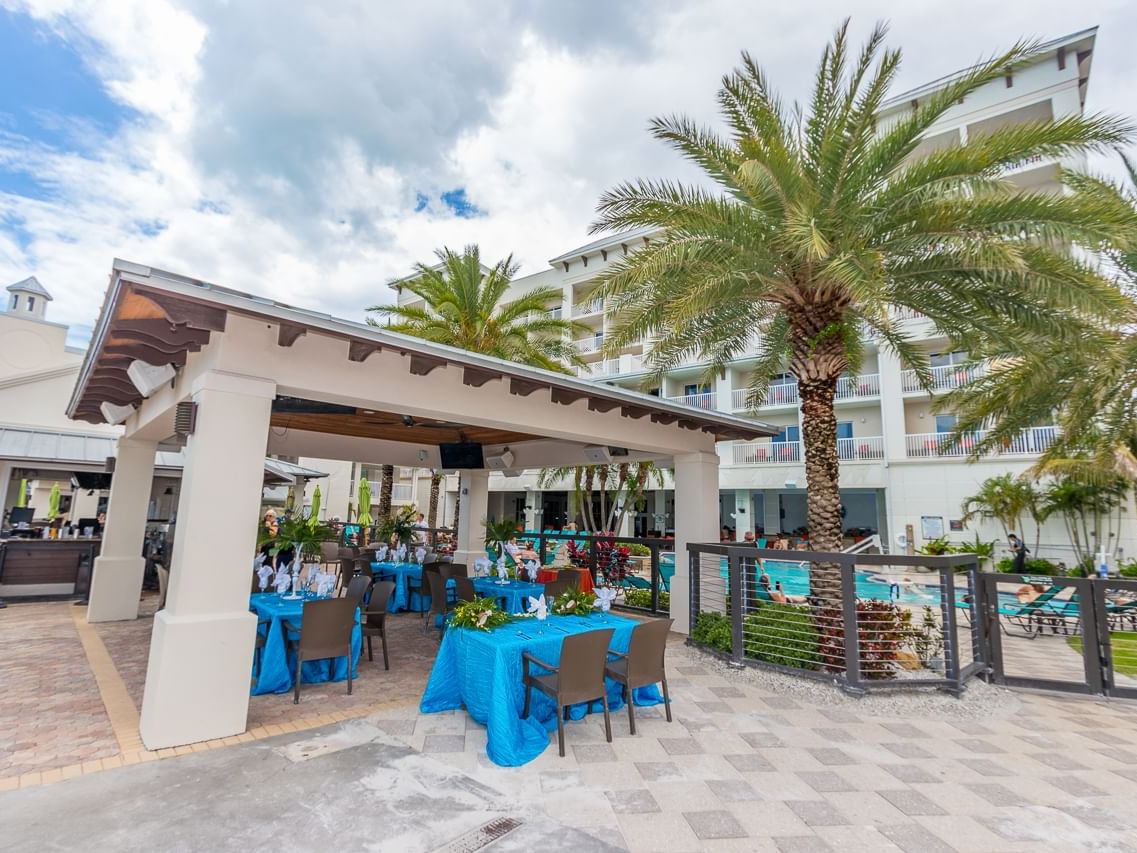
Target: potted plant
{"points": [[398, 529], [498, 533]]}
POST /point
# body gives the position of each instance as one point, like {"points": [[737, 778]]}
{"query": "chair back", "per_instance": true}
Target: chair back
{"points": [[363, 566], [557, 588], [381, 592], [465, 588], [347, 553], [646, 652], [357, 588], [570, 575], [347, 569], [438, 603], [454, 570], [581, 670], [256, 581], [329, 552], [433, 566], [325, 631]]}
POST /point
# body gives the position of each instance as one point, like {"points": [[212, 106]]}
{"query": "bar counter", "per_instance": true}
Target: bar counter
{"points": [[47, 567]]}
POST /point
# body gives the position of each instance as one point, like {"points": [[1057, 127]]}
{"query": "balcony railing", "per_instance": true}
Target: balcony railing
{"points": [[855, 387], [592, 306], [592, 344], [902, 313], [400, 492], [1029, 442], [860, 448], [766, 452], [554, 313], [705, 400], [611, 367], [945, 378]]}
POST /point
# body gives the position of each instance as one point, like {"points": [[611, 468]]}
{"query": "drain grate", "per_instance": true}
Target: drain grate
{"points": [[481, 837]]}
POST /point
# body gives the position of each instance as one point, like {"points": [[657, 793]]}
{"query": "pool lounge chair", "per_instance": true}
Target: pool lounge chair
{"points": [[1030, 617]]}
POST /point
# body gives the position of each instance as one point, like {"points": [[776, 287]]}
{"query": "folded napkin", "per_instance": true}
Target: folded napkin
{"points": [[531, 570], [604, 598], [264, 575], [482, 566], [283, 582], [381, 553], [502, 570], [325, 583], [539, 607], [420, 554], [259, 560]]}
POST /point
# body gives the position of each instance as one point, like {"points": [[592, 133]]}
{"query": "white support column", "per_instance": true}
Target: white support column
{"points": [[772, 512], [533, 519], [743, 513], [723, 392], [892, 405], [116, 583], [473, 489], [696, 520], [201, 651]]}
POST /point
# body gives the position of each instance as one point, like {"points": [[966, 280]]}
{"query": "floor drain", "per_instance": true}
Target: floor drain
{"points": [[482, 836]]}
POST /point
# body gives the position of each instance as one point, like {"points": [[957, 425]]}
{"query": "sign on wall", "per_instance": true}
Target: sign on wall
{"points": [[932, 526]]}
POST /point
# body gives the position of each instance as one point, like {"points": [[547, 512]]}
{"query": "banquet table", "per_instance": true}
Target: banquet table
{"points": [[277, 663], [402, 599], [514, 594], [550, 575], [481, 671]]}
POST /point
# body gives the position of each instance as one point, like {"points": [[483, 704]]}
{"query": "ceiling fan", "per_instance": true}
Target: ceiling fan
{"points": [[408, 421]]}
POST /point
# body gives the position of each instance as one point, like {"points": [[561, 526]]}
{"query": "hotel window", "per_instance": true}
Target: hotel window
{"points": [[946, 359], [31, 303], [15, 301], [945, 423]]}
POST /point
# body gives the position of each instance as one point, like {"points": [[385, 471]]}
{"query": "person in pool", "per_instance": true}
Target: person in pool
{"points": [[780, 596]]}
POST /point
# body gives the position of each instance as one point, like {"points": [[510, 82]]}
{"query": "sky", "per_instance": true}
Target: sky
{"points": [[312, 152]]}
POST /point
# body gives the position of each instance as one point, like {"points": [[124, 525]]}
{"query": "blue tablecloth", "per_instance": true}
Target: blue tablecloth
{"points": [[402, 599], [277, 663], [516, 594], [481, 671]]}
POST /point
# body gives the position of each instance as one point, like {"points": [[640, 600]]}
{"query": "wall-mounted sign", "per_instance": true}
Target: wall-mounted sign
{"points": [[932, 526], [956, 525]]}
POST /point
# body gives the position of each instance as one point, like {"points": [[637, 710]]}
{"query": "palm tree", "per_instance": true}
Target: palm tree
{"points": [[1006, 499], [631, 480], [822, 219], [432, 507], [464, 309], [386, 486]]}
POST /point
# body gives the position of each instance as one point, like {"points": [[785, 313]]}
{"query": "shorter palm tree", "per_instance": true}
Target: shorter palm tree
{"points": [[464, 308], [1006, 499]]}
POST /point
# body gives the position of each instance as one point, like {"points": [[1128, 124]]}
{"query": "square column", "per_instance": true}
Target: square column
{"points": [[533, 517], [201, 651], [696, 520], [473, 490], [743, 513], [892, 404], [116, 583]]}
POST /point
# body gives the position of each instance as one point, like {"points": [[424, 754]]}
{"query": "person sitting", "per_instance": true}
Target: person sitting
{"points": [[781, 544], [748, 537], [519, 554], [780, 596]]}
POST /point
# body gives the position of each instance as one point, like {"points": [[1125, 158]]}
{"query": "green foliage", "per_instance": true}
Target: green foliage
{"points": [[713, 630], [1128, 570], [936, 548], [1036, 566], [398, 528], [925, 638], [299, 535], [642, 598], [782, 634], [638, 550], [464, 309], [481, 614], [573, 602]]}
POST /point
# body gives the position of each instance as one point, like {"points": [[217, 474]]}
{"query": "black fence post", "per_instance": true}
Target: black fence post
{"points": [[592, 557], [950, 628], [1103, 642], [694, 585], [734, 564], [1091, 640], [851, 629], [654, 579]]}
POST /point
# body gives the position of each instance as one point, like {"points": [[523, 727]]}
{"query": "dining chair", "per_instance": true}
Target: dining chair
{"points": [[464, 589], [256, 581], [453, 570], [324, 633], [578, 678], [557, 588], [363, 567], [357, 589], [329, 552], [375, 617], [642, 664], [421, 585], [571, 575], [439, 600]]}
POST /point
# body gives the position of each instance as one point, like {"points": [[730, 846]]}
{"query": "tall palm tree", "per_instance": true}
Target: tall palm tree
{"points": [[822, 219], [432, 507], [465, 309], [386, 486]]}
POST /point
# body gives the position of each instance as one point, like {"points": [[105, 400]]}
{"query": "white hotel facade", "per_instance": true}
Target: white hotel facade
{"points": [[899, 476]]}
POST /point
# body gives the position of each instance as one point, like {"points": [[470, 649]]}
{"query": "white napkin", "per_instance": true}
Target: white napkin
{"points": [[531, 570], [401, 552], [381, 553], [482, 566], [264, 574], [258, 560], [502, 571], [539, 607], [604, 598], [282, 582], [420, 554], [325, 583]]}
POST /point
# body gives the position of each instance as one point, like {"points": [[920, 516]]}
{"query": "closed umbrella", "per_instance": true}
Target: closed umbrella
{"points": [[365, 519], [314, 518], [22, 497], [53, 501]]}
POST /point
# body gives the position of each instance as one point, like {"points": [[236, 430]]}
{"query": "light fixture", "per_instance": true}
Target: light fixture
{"points": [[148, 378], [422, 456], [115, 414]]}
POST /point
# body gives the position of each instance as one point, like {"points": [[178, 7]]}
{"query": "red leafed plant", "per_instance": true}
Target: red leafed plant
{"points": [[611, 559], [881, 635]]}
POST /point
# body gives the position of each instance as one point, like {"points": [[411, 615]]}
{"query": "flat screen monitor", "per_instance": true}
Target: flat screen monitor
{"points": [[466, 454], [91, 480], [21, 514]]}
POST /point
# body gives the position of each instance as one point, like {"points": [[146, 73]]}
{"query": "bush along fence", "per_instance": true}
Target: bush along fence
{"points": [[793, 610]]}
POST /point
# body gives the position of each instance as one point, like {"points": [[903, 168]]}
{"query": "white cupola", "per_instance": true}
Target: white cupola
{"points": [[28, 299]]}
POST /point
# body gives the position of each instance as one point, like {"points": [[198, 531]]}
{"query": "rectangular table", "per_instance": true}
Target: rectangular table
{"points": [[513, 596], [481, 671], [277, 664]]}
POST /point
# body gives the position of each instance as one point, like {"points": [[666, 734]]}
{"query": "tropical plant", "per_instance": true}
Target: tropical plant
{"points": [[713, 630], [824, 219], [782, 634], [573, 602], [481, 614], [464, 308], [498, 533], [629, 492], [1088, 510], [386, 488], [298, 535], [1006, 499], [397, 529]]}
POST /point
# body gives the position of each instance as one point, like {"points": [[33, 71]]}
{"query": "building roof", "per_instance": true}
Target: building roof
{"points": [[604, 243], [30, 285], [55, 447]]}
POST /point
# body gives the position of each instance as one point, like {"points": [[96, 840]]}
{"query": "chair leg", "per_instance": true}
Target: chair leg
{"points": [[607, 718], [666, 700], [369, 657], [561, 734], [296, 689], [349, 668], [528, 694], [631, 709], [386, 661]]}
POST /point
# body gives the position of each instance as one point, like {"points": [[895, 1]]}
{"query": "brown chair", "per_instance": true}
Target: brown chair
{"points": [[257, 582], [357, 589], [643, 664], [347, 570], [375, 617], [578, 678], [453, 570], [439, 600], [570, 575], [464, 589], [325, 633], [422, 585], [557, 588], [329, 552]]}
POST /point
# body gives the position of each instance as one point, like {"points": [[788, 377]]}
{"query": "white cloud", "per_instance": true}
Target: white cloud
{"points": [[282, 153]]}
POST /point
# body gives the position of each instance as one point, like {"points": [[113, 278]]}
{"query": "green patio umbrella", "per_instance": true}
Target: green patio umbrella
{"points": [[314, 516], [364, 518], [53, 501], [22, 497]]}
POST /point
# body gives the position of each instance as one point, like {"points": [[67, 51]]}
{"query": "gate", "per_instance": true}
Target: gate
{"points": [[1077, 635]]}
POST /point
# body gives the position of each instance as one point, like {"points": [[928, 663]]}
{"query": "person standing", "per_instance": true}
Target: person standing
{"points": [[1018, 554]]}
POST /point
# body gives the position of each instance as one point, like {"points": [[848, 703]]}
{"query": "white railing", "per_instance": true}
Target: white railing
{"points": [[766, 452], [854, 387], [592, 344], [592, 306], [554, 313], [860, 448], [782, 395], [738, 398], [400, 492], [625, 364], [1029, 442], [705, 400], [901, 313], [945, 378]]}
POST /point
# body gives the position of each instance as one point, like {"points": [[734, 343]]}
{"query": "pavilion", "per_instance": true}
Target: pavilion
{"points": [[230, 376]]}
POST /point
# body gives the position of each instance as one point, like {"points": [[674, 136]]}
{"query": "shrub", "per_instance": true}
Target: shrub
{"points": [[1036, 566], [881, 630], [1128, 570], [638, 550], [642, 598], [782, 634], [712, 629]]}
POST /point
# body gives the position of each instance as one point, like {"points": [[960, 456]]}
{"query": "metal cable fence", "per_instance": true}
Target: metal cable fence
{"points": [[864, 621]]}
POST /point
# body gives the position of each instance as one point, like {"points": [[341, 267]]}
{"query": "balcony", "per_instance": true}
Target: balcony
{"points": [[705, 400], [625, 364], [592, 306], [766, 452], [938, 445], [554, 313], [901, 313], [866, 448], [848, 388], [858, 387], [588, 345], [944, 378]]}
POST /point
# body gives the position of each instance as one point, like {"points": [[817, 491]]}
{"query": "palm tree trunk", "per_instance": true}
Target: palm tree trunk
{"points": [[604, 494], [457, 509], [432, 513], [822, 477], [586, 504], [386, 484]]}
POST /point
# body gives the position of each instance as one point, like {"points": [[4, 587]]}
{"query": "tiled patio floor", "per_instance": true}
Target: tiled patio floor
{"points": [[750, 763]]}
